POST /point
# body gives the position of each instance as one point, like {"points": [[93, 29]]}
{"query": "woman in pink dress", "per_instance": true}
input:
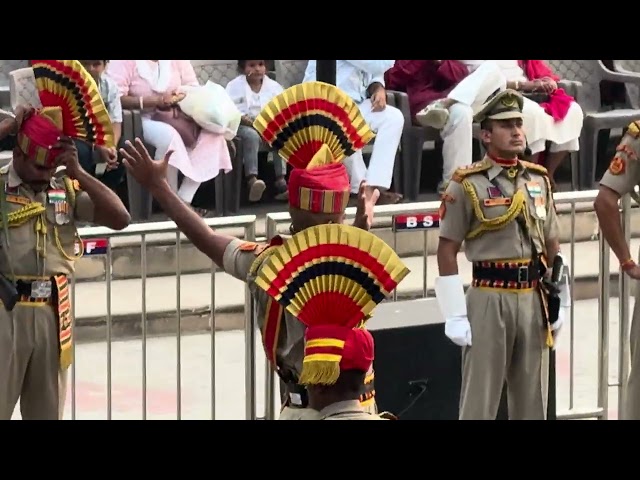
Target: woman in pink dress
{"points": [[148, 84]]}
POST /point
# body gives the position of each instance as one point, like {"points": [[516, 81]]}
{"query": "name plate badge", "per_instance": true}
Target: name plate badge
{"points": [[416, 221]]}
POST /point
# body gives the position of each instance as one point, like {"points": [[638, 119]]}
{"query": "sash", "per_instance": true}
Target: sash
{"points": [[274, 313], [271, 330], [64, 321]]}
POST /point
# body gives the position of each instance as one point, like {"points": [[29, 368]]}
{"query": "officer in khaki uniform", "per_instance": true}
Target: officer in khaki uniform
{"points": [[38, 214], [318, 194], [502, 209], [621, 178]]}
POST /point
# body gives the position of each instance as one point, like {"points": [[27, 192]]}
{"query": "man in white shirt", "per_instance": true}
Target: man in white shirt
{"points": [[363, 81]]}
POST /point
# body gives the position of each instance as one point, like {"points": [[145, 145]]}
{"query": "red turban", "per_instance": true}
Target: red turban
{"points": [[315, 126], [332, 348], [39, 133], [322, 187]]}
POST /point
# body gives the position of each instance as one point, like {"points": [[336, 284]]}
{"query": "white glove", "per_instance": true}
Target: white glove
{"points": [[453, 306], [458, 329], [565, 302]]}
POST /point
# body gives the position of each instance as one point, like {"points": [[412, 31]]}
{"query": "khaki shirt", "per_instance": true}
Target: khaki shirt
{"points": [[461, 214], [348, 410], [623, 173], [25, 242], [290, 347]]}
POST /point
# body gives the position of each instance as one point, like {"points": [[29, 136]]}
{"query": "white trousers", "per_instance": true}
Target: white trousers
{"points": [[387, 125], [457, 134], [160, 135], [187, 189]]}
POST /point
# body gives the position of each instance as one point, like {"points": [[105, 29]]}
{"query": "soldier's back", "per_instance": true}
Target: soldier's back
{"points": [[347, 410]]}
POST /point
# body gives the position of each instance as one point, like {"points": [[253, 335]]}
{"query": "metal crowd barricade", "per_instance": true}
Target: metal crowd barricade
{"points": [[624, 295], [97, 240], [395, 219], [424, 217]]}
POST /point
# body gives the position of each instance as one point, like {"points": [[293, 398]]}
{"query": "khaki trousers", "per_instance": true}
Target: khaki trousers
{"points": [[508, 344], [29, 361], [63, 382]]}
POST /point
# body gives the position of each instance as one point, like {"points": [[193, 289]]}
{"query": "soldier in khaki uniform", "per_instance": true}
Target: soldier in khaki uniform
{"points": [[318, 194], [38, 213], [621, 178], [502, 209], [340, 401]]}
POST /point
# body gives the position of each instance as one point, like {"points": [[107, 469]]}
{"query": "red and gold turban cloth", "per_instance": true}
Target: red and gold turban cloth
{"points": [[314, 126], [331, 277], [72, 106]]}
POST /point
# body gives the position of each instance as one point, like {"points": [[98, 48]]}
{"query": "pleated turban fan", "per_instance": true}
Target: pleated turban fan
{"points": [[71, 106], [315, 126]]}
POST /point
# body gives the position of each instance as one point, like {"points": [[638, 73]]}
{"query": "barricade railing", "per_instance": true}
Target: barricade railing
{"points": [[624, 295], [418, 218], [98, 240], [424, 217]]}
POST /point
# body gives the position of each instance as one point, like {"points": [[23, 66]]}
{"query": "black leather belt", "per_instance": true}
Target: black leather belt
{"points": [[506, 275]]}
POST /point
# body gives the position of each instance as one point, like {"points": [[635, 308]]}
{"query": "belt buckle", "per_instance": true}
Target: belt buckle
{"points": [[523, 274], [296, 399], [40, 289]]}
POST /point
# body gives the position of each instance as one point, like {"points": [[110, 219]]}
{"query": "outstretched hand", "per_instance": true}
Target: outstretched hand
{"points": [[146, 171]]}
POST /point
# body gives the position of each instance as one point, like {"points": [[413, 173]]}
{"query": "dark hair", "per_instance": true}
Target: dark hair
{"points": [[243, 63], [350, 383], [486, 124]]}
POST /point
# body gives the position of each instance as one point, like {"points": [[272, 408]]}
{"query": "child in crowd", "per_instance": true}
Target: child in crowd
{"points": [[251, 91]]}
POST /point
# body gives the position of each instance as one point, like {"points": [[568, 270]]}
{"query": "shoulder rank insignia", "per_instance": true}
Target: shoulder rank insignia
{"points": [[248, 246], [534, 167], [261, 252], [617, 165], [633, 129], [477, 167]]}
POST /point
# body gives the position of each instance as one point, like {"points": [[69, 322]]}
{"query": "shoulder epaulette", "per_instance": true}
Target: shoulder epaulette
{"points": [[462, 172], [263, 251], [535, 167], [633, 129]]}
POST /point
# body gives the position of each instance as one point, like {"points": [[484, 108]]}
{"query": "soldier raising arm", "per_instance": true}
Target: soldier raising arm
{"points": [[152, 175], [318, 194], [621, 178]]}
